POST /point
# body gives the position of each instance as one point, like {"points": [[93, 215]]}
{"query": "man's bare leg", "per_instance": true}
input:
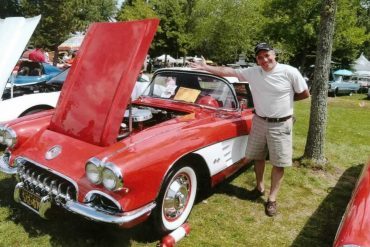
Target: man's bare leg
{"points": [[259, 170], [277, 174]]}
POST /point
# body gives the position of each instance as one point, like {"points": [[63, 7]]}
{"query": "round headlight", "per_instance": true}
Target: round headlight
{"points": [[93, 170], [8, 136], [112, 177]]}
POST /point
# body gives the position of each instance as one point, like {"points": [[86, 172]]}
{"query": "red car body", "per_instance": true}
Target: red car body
{"points": [[85, 158], [354, 229]]}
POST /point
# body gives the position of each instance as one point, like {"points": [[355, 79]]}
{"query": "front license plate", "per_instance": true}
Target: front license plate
{"points": [[30, 199]]}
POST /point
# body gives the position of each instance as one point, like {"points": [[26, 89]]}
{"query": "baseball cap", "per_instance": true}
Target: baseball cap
{"points": [[262, 46]]}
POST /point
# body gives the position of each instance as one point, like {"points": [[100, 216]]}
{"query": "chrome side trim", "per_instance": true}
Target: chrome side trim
{"points": [[93, 214]]}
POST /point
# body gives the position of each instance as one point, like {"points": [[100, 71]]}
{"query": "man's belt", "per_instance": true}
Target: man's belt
{"points": [[275, 120]]}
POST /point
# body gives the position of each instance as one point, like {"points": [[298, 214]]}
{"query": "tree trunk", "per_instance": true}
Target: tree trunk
{"points": [[56, 55], [314, 150]]}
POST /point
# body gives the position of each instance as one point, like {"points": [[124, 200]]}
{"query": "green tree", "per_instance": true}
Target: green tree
{"points": [[171, 38], [293, 26], [222, 29], [56, 21], [364, 21], [136, 10], [349, 36], [87, 11], [9, 8], [60, 18]]}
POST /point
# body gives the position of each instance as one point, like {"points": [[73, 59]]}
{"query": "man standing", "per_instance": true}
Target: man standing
{"points": [[274, 87]]}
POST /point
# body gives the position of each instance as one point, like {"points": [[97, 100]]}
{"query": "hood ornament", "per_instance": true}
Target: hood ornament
{"points": [[53, 152]]}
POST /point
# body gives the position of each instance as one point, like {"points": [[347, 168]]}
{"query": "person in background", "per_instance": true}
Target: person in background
{"points": [[70, 60], [47, 58], [37, 55], [274, 87], [142, 83]]}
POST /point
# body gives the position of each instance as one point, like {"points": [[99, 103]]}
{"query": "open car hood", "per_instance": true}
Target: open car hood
{"points": [[99, 84], [15, 32]]}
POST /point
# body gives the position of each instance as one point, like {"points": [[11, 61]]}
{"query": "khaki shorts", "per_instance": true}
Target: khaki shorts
{"points": [[275, 138]]}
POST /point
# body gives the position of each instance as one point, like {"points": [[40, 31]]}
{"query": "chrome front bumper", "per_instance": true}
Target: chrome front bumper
{"points": [[85, 210], [51, 191], [93, 214]]}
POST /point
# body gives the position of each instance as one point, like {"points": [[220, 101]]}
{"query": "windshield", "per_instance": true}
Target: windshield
{"points": [[193, 88]]}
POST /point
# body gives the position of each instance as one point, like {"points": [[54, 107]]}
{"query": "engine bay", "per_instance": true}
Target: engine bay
{"points": [[138, 118]]}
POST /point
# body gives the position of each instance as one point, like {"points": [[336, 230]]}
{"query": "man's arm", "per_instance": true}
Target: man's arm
{"points": [[300, 96], [217, 70]]}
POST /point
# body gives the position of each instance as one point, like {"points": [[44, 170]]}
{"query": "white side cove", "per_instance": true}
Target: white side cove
{"points": [[221, 155], [15, 33], [14, 107]]}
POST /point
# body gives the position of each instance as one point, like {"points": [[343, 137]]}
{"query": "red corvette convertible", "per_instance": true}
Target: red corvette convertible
{"points": [[108, 159], [354, 229]]}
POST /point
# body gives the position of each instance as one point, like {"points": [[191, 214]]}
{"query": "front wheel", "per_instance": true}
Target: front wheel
{"points": [[175, 200]]}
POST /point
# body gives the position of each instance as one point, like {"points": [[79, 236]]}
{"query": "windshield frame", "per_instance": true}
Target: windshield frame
{"points": [[178, 72]]}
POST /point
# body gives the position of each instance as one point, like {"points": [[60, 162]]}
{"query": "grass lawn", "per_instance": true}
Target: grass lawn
{"points": [[311, 202]]}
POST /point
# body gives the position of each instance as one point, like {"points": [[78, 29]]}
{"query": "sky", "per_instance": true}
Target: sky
{"points": [[119, 3]]}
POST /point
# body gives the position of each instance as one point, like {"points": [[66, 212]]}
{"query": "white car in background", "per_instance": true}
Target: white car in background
{"points": [[31, 103], [15, 33]]}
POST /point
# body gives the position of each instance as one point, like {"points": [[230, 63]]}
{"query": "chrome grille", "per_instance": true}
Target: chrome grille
{"points": [[43, 182]]}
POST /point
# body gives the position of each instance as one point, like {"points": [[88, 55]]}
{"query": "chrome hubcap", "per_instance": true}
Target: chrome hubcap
{"points": [[176, 197]]}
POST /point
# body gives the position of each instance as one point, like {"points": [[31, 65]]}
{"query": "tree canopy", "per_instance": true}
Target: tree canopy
{"points": [[217, 29], [61, 18]]}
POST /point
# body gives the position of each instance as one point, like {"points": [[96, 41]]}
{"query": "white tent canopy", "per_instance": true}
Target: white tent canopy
{"points": [[166, 57], [361, 64], [73, 43]]}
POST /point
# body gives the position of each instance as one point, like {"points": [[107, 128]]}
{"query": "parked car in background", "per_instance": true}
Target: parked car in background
{"points": [[106, 159], [363, 79], [18, 31], [342, 87], [25, 92], [31, 72], [354, 229], [31, 78], [41, 96]]}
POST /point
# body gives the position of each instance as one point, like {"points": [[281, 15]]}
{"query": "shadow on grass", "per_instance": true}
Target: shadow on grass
{"points": [[67, 229], [239, 192], [321, 228]]}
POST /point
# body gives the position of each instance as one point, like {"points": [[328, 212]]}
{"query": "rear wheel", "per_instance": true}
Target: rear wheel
{"points": [[176, 199]]}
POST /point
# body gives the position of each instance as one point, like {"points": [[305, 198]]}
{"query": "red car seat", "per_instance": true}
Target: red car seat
{"points": [[208, 101]]}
